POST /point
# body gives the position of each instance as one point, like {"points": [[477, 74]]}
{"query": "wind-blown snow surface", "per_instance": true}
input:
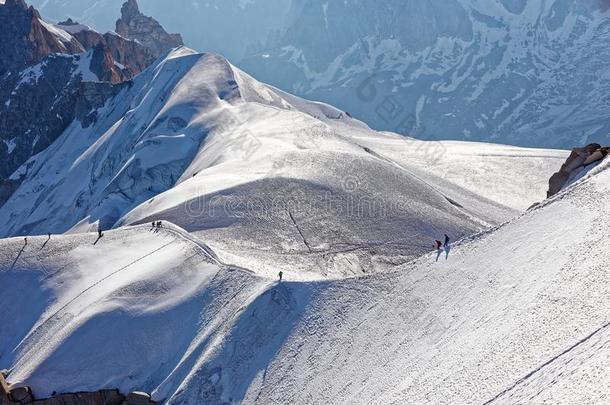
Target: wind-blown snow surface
{"points": [[262, 175], [516, 315]]}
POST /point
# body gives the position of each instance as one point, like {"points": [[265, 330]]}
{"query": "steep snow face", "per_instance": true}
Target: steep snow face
{"points": [[262, 175], [527, 73], [101, 169], [518, 314]]}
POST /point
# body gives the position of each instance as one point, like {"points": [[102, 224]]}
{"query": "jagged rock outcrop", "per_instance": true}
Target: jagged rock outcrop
{"points": [[105, 67], [579, 158], [132, 55], [26, 40], [146, 30]]}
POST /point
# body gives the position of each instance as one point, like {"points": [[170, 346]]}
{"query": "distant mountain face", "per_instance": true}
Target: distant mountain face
{"points": [[513, 71], [227, 27]]}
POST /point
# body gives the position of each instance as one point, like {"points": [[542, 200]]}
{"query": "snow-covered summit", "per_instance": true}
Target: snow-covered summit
{"points": [[200, 143]]}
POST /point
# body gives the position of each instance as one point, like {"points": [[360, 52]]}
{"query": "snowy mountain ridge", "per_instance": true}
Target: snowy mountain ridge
{"points": [[211, 239], [195, 141], [501, 322]]}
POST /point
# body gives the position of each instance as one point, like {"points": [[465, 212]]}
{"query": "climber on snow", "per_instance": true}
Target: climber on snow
{"points": [[447, 240], [437, 245]]}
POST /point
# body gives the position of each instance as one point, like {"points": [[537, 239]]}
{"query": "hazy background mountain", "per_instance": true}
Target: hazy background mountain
{"points": [[530, 73], [227, 27]]}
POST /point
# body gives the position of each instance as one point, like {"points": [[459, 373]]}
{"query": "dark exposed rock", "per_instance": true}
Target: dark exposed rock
{"points": [[133, 56], [4, 390], [105, 67], [138, 398], [25, 39], [104, 397], [35, 107], [91, 96], [38, 105], [578, 159], [21, 395], [146, 30]]}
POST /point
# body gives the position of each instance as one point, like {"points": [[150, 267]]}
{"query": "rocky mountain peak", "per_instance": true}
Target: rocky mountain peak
{"points": [[146, 30], [15, 3], [26, 40], [68, 23], [130, 8]]}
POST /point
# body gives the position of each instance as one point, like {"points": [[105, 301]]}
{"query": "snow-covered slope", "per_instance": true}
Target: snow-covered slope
{"points": [[516, 315], [262, 175], [513, 176]]}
